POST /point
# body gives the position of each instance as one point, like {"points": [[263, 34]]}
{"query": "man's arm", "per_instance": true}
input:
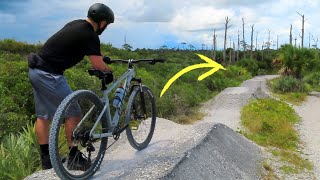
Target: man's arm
{"points": [[97, 63]]}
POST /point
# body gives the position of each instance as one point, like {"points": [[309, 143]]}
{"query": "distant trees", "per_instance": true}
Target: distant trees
{"points": [[127, 47]]}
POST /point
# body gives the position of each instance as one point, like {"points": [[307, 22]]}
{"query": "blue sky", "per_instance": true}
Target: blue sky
{"points": [[151, 24]]}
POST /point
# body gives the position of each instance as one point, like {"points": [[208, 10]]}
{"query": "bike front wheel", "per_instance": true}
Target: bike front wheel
{"points": [[141, 116], [73, 153]]}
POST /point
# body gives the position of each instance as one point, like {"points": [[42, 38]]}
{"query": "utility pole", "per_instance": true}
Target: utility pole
{"points": [[225, 38], [302, 30]]}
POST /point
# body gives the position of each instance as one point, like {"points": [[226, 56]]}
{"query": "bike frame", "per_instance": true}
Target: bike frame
{"points": [[112, 122]]}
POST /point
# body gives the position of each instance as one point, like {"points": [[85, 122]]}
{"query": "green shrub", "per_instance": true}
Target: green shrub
{"points": [[313, 79], [289, 84], [295, 59], [250, 64], [16, 105], [19, 154]]}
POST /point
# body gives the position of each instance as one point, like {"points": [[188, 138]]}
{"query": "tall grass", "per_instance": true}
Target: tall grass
{"points": [[19, 154], [270, 123]]}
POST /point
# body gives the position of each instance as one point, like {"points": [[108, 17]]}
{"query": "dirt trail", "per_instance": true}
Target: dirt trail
{"points": [[309, 129]]}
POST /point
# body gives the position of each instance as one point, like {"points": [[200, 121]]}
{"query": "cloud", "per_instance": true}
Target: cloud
{"points": [[153, 23]]}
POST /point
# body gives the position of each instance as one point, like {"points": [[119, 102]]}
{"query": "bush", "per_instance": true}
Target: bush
{"points": [[313, 79], [19, 154], [289, 84], [295, 60], [250, 64]]}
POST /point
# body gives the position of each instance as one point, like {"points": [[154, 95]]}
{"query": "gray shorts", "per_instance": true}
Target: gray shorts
{"points": [[49, 90]]}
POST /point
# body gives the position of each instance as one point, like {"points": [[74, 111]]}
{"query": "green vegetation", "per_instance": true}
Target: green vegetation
{"points": [[289, 89], [270, 123], [180, 103], [19, 154], [298, 69]]}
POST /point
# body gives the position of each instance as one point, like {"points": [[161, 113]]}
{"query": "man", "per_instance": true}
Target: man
{"points": [[63, 50]]}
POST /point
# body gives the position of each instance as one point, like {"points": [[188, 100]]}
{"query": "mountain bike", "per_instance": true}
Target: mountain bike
{"points": [[95, 123]]}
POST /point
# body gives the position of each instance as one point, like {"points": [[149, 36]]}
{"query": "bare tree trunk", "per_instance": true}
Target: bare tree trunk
{"points": [[214, 45], [309, 40], [269, 43], [243, 40], [257, 41], [277, 42], [290, 35], [230, 52], [302, 30], [252, 26], [234, 52], [238, 46], [295, 42], [225, 38], [262, 49]]}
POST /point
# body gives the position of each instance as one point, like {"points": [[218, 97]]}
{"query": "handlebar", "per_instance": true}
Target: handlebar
{"points": [[151, 61]]}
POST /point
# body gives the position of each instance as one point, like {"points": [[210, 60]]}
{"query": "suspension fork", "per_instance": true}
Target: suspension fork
{"points": [[143, 104]]}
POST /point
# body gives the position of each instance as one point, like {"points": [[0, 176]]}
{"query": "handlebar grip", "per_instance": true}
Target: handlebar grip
{"points": [[159, 60], [107, 60]]}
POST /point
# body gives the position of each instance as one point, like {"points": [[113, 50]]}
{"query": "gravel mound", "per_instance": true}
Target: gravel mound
{"points": [[175, 148]]}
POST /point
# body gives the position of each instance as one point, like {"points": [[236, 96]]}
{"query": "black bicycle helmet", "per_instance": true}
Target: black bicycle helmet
{"points": [[99, 12]]}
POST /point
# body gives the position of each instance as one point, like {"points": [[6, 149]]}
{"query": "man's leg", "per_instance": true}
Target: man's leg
{"points": [[70, 124], [42, 130]]}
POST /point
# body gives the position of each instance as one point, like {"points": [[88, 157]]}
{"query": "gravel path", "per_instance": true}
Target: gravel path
{"points": [[172, 141], [309, 129]]}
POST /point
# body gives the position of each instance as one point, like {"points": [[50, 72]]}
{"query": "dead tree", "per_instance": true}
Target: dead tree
{"points": [[257, 41], [295, 42], [230, 52], [252, 26], [225, 38], [238, 46], [315, 40], [309, 40], [214, 44], [243, 39], [302, 30], [277, 42], [269, 43], [234, 53], [290, 36]]}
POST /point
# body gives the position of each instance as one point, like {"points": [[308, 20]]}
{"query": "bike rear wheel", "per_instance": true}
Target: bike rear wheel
{"points": [[81, 105], [141, 116]]}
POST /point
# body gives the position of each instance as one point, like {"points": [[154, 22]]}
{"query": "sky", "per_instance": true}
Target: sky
{"points": [[152, 24]]}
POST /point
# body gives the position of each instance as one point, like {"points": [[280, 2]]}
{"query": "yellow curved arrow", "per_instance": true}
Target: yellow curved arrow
{"points": [[210, 63]]}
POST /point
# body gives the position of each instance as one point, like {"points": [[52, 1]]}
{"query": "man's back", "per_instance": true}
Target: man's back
{"points": [[68, 46]]}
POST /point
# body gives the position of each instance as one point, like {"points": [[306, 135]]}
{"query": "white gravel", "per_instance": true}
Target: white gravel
{"points": [[309, 129], [171, 141]]}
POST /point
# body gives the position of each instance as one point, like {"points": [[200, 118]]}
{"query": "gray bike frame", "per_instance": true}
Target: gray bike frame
{"points": [[106, 109]]}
